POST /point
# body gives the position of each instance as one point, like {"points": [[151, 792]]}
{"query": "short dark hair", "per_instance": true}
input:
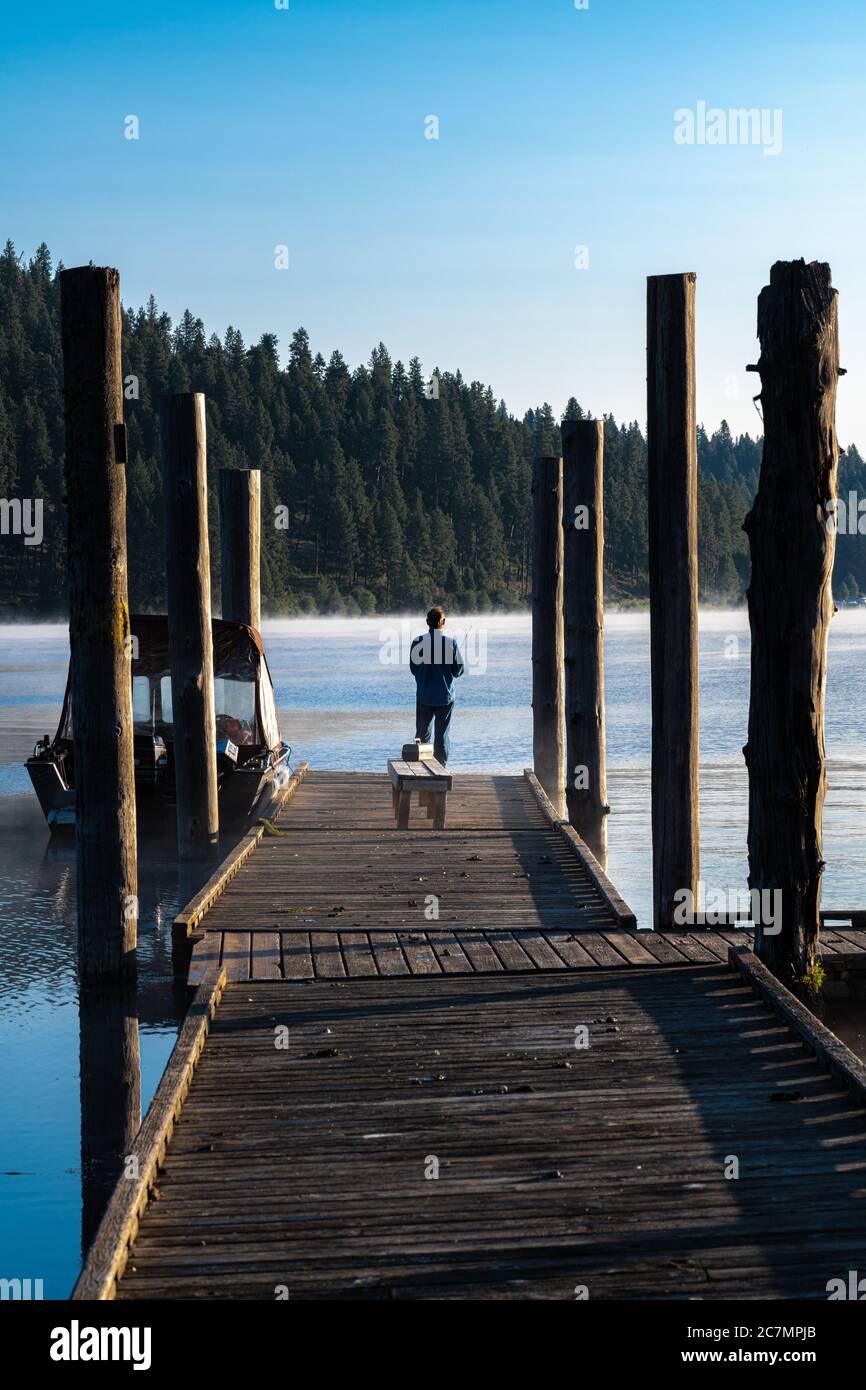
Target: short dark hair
{"points": [[436, 617]]}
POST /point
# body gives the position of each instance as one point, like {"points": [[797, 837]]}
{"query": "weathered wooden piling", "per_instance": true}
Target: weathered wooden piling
{"points": [[791, 530], [673, 579], [583, 599], [240, 545], [184, 467], [548, 692], [99, 631]]}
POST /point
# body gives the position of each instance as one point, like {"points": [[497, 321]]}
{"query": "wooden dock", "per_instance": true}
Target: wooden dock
{"points": [[339, 893], [520, 1097]]}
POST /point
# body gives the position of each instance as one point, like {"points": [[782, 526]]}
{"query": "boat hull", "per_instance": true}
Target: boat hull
{"points": [[242, 793], [55, 798]]}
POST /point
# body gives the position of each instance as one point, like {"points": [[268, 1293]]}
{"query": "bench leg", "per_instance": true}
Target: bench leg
{"points": [[430, 798], [394, 799], [439, 815], [403, 804]]}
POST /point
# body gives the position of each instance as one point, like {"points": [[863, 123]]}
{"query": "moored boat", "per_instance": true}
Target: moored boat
{"points": [[252, 759]]}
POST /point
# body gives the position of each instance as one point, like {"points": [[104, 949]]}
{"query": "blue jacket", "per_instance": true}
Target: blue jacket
{"points": [[435, 661]]}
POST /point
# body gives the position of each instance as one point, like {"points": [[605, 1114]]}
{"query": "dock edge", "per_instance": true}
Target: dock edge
{"points": [[625, 918], [188, 918], [836, 1055], [107, 1256]]}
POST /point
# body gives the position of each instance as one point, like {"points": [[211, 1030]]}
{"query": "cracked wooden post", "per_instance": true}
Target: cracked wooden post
{"points": [[240, 544], [791, 530], [583, 585], [99, 635], [548, 691], [184, 468], [673, 580]]}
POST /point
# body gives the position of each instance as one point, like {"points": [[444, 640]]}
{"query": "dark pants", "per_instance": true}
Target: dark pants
{"points": [[440, 717]]}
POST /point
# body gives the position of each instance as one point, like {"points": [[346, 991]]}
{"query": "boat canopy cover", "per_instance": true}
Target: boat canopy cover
{"points": [[243, 691]]}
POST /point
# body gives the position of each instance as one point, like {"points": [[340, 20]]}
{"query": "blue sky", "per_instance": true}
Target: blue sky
{"points": [[306, 127]]}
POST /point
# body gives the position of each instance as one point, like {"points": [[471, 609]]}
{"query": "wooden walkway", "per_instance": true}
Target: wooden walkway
{"points": [[525, 1098], [557, 1167], [340, 893]]}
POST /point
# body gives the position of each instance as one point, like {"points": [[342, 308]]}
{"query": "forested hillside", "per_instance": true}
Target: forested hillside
{"points": [[380, 491]]}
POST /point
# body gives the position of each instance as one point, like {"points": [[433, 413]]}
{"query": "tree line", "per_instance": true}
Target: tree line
{"points": [[383, 488]]}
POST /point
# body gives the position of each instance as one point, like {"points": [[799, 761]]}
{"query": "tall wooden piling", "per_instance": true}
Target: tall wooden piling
{"points": [[184, 468], [791, 530], [240, 544], [673, 577], [583, 600], [99, 630], [548, 693]]}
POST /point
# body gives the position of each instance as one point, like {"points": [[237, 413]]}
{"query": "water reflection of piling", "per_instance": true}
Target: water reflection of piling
{"points": [[110, 1070]]}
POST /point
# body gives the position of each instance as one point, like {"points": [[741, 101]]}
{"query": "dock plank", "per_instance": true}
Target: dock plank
{"points": [[501, 866], [557, 1167], [436, 988], [266, 956], [298, 957], [237, 946]]}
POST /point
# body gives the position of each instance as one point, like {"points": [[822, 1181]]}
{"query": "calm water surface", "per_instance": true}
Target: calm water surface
{"points": [[345, 701]]}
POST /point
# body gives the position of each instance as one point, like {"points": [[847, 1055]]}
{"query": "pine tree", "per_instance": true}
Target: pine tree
{"points": [[388, 489]]}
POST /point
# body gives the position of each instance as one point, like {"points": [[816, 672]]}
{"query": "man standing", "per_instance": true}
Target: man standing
{"points": [[435, 661]]}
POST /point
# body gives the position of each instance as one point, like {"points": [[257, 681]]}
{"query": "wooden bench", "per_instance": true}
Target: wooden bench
{"points": [[429, 779]]}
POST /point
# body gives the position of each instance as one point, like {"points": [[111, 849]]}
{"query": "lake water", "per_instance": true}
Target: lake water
{"points": [[345, 699]]}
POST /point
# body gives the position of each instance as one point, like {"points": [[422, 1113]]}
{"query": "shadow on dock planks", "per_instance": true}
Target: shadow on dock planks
{"points": [[303, 1171]]}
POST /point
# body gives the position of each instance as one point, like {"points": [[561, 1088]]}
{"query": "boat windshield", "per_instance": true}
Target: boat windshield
{"points": [[243, 693], [234, 703]]}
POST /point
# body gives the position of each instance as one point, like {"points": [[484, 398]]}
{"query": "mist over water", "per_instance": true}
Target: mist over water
{"points": [[346, 700]]}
